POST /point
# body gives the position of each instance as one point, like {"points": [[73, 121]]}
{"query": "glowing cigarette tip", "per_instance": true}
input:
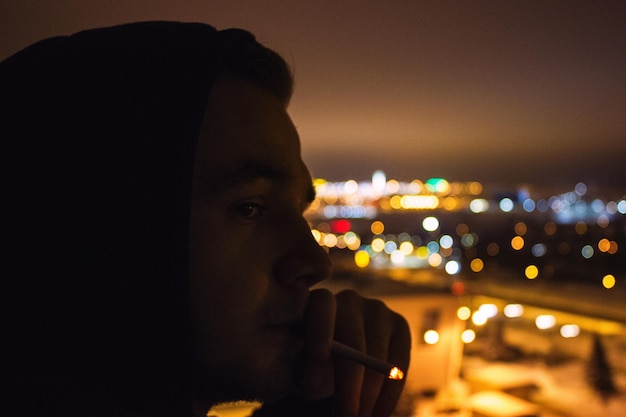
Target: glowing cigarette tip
{"points": [[392, 372], [396, 373]]}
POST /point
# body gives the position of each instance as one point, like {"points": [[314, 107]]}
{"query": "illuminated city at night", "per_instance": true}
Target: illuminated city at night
{"points": [[533, 279]]}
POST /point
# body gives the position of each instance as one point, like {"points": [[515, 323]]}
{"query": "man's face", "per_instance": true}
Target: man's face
{"points": [[252, 255]]}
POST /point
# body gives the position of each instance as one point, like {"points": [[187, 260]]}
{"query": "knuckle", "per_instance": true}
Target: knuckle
{"points": [[348, 296]]}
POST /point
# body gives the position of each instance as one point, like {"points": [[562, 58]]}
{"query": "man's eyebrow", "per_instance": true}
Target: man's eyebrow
{"points": [[251, 171]]}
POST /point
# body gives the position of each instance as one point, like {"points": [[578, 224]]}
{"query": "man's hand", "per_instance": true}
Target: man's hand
{"points": [[366, 325]]}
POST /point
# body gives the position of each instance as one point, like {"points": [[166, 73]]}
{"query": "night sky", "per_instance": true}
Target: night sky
{"points": [[496, 91]]}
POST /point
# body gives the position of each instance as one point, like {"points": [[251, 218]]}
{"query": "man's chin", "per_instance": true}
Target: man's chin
{"points": [[248, 381]]}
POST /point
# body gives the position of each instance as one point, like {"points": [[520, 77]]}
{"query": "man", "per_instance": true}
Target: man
{"points": [[160, 261]]}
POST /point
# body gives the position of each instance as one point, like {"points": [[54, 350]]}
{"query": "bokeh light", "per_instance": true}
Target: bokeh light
{"points": [[521, 228], [570, 330], [517, 242], [462, 229], [479, 318], [479, 205], [453, 267], [489, 310], [378, 244], [587, 251], [513, 310], [377, 227], [431, 337], [604, 245], [531, 272], [446, 241], [468, 336], [430, 224], [493, 249], [362, 259], [506, 205], [397, 257], [464, 313], [406, 248], [539, 250], [545, 321], [435, 260], [549, 228], [608, 281], [477, 265], [581, 228]]}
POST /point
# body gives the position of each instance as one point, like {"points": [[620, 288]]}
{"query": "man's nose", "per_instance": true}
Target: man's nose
{"points": [[305, 261]]}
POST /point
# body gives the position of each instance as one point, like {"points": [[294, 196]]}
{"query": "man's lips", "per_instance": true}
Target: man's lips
{"points": [[293, 328]]}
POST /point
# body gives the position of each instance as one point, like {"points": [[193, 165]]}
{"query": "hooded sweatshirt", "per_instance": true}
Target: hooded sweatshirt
{"points": [[98, 133]]}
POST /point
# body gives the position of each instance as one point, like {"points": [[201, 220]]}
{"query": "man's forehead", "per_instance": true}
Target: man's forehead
{"points": [[250, 171]]}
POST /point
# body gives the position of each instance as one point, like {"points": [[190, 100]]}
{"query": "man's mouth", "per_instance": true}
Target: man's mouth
{"points": [[292, 328]]}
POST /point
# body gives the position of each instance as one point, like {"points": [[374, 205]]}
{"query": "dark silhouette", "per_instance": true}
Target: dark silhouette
{"points": [[599, 372], [156, 258]]}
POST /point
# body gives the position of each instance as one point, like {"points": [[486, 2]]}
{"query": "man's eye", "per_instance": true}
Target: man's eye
{"points": [[249, 211]]}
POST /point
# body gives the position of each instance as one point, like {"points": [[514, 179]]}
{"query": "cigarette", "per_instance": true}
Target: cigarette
{"points": [[391, 371]]}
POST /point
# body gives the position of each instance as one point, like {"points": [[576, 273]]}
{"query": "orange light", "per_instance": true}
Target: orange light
{"points": [[477, 265], [377, 227], [521, 229], [604, 245], [396, 374], [517, 242], [550, 228]]}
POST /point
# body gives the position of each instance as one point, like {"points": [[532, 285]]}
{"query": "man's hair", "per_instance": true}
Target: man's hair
{"points": [[262, 66]]}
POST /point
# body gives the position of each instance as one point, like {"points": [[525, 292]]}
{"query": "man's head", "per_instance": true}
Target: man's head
{"points": [[104, 133], [253, 257]]}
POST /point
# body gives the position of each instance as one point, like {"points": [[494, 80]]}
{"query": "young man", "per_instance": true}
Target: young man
{"points": [[160, 262]]}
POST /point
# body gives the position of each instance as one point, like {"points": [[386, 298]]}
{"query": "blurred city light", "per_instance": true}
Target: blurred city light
{"points": [[570, 330], [476, 265], [545, 321], [489, 310], [513, 310], [474, 238], [468, 336], [608, 281], [531, 272], [430, 224], [517, 242], [479, 318], [587, 251], [362, 259], [453, 267], [479, 205], [431, 337], [463, 313], [506, 205], [538, 250]]}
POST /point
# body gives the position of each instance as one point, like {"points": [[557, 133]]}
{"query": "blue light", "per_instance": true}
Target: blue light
{"points": [[433, 247], [539, 250], [506, 205], [529, 205], [580, 188], [390, 247]]}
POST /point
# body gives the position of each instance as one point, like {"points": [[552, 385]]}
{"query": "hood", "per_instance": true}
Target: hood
{"points": [[98, 134]]}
